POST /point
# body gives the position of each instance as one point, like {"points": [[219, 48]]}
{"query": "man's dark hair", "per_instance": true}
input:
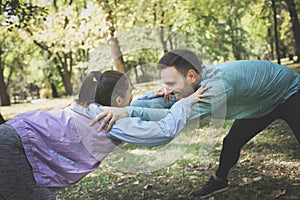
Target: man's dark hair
{"points": [[183, 60]]}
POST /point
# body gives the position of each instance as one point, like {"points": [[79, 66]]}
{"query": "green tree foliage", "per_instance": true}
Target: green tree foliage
{"points": [[67, 35], [63, 38], [18, 13], [14, 15]]}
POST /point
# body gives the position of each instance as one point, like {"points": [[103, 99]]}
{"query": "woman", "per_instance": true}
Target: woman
{"points": [[41, 151]]}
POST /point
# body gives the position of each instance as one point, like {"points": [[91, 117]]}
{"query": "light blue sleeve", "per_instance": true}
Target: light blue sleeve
{"points": [[198, 111], [146, 133], [147, 114], [90, 112], [149, 101], [146, 96], [150, 108]]}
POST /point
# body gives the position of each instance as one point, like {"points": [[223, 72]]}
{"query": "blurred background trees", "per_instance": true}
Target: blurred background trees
{"points": [[47, 44]]}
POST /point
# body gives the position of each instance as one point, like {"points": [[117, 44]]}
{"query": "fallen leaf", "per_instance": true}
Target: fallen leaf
{"points": [[245, 159], [160, 177], [249, 180], [194, 177], [148, 186], [136, 183], [235, 188], [211, 198], [257, 178], [277, 193]]}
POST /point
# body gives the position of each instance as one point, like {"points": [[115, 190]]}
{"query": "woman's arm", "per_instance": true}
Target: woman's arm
{"points": [[111, 114], [150, 133]]}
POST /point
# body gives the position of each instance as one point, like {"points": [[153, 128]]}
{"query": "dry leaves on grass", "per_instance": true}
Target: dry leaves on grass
{"points": [[277, 193]]}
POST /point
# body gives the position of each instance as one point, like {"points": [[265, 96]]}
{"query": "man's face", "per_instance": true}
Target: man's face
{"points": [[176, 82]]}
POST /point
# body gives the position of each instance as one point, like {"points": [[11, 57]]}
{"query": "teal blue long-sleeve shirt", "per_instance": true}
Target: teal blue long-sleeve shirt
{"points": [[242, 89]]}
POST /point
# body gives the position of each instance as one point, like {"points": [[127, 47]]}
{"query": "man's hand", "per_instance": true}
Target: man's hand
{"points": [[110, 115], [165, 92], [197, 96]]}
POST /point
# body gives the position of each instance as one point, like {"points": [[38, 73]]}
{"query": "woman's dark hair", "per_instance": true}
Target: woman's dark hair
{"points": [[183, 60], [103, 88]]}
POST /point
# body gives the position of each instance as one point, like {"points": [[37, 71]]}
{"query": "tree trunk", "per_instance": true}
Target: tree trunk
{"points": [[53, 87], [234, 45], [295, 25], [136, 75], [1, 119], [4, 97], [61, 62], [67, 83], [116, 54], [113, 41], [54, 91], [162, 31], [162, 39], [65, 71], [271, 42], [276, 31], [66, 79]]}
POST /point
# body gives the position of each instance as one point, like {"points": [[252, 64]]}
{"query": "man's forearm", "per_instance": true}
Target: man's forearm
{"points": [[148, 114]]}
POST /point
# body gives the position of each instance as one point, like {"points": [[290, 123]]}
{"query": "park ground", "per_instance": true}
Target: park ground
{"points": [[269, 168]]}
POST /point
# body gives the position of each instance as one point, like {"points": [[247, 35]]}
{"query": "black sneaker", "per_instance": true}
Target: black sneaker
{"points": [[211, 187]]}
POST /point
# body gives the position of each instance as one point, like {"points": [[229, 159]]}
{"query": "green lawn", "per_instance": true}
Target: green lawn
{"points": [[269, 166]]}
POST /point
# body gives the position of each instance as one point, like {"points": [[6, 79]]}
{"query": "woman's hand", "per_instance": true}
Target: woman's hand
{"points": [[197, 96], [110, 116]]}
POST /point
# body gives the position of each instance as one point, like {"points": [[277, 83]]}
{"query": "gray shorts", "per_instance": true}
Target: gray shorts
{"points": [[16, 178]]}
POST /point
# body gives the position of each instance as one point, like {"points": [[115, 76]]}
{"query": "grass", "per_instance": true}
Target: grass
{"points": [[268, 168], [39, 104]]}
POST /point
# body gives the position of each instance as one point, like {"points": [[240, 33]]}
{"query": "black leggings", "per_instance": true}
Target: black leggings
{"points": [[244, 130], [16, 178]]}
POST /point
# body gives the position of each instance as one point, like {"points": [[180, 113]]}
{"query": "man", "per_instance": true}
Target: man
{"points": [[254, 93]]}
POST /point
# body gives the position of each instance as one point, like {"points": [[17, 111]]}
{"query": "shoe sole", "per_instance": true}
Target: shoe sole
{"points": [[215, 192]]}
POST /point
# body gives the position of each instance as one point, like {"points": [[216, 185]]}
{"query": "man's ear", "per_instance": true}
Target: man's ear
{"points": [[192, 77]]}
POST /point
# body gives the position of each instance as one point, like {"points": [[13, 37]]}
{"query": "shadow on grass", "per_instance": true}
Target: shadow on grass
{"points": [[266, 188], [268, 169]]}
